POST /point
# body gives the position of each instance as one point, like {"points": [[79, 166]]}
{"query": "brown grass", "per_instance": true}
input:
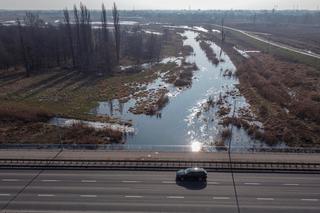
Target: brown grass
{"points": [[185, 75], [81, 134], [29, 114], [271, 86], [206, 47], [43, 133]]}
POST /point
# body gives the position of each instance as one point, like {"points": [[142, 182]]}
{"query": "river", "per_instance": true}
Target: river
{"points": [[183, 121]]}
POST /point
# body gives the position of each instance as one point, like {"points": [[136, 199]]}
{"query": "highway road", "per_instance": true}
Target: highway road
{"points": [[282, 46], [125, 191]]}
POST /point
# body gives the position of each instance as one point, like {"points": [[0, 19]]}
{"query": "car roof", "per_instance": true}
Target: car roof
{"points": [[196, 169]]}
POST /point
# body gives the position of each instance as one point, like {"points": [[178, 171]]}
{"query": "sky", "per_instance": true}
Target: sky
{"points": [[164, 4]]}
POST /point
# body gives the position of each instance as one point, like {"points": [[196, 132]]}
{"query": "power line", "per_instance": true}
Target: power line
{"points": [[230, 161], [4, 207]]}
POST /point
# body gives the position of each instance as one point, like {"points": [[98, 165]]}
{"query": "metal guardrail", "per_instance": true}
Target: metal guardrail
{"points": [[158, 165], [171, 148]]}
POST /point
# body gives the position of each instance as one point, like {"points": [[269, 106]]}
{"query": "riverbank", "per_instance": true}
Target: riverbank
{"points": [[283, 93]]}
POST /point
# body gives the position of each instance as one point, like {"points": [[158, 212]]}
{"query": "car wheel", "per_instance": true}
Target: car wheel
{"points": [[182, 179], [200, 179]]}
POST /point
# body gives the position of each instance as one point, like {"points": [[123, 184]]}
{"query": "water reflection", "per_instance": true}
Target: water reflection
{"points": [[196, 146], [190, 119]]}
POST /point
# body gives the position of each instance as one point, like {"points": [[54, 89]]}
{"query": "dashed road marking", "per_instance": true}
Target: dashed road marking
{"points": [[253, 184], [10, 180], [130, 181], [291, 184], [175, 197], [168, 182], [45, 195], [88, 181], [133, 196], [4, 195], [221, 198], [213, 183], [88, 196], [49, 180], [310, 200], [265, 198]]}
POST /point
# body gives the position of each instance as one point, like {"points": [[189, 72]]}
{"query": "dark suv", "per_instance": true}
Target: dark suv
{"points": [[195, 174]]}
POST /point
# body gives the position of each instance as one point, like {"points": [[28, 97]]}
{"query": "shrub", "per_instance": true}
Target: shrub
{"points": [[226, 134], [24, 115]]}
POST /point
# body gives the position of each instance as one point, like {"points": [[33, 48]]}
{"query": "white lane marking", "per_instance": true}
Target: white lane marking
{"points": [[168, 182], [213, 183], [49, 180], [265, 198], [221, 198], [291, 184], [10, 180], [5, 194], [88, 181], [45, 195], [175, 197], [130, 181], [254, 184], [310, 200], [133, 196], [89, 196]]}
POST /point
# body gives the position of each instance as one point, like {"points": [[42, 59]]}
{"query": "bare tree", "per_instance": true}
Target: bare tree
{"points": [[86, 36], [69, 35], [23, 49], [78, 38], [40, 46], [105, 39], [117, 35]]}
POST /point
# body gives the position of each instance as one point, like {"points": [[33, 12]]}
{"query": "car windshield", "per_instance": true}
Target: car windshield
{"points": [[188, 170]]}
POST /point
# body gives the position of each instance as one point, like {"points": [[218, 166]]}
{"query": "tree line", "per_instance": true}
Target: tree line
{"points": [[74, 43]]}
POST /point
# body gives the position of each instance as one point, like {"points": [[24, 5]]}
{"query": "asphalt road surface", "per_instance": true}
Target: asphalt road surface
{"points": [[127, 191]]}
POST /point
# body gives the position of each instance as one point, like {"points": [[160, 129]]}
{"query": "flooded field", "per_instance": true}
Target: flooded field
{"points": [[188, 118]]}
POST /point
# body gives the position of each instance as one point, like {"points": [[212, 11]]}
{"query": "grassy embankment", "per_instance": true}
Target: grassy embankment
{"points": [[278, 52]]}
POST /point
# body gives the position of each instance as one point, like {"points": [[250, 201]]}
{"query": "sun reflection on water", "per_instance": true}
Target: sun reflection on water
{"points": [[196, 146]]}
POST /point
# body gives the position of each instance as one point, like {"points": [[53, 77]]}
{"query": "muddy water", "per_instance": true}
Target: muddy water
{"points": [[184, 121]]}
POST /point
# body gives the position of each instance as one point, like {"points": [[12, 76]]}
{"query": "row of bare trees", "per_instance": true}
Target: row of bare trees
{"points": [[75, 43]]}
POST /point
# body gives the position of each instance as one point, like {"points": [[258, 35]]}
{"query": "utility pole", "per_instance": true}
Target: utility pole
{"points": [[230, 159]]}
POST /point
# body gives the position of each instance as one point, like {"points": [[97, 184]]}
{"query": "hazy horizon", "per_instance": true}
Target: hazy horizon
{"points": [[163, 4]]}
